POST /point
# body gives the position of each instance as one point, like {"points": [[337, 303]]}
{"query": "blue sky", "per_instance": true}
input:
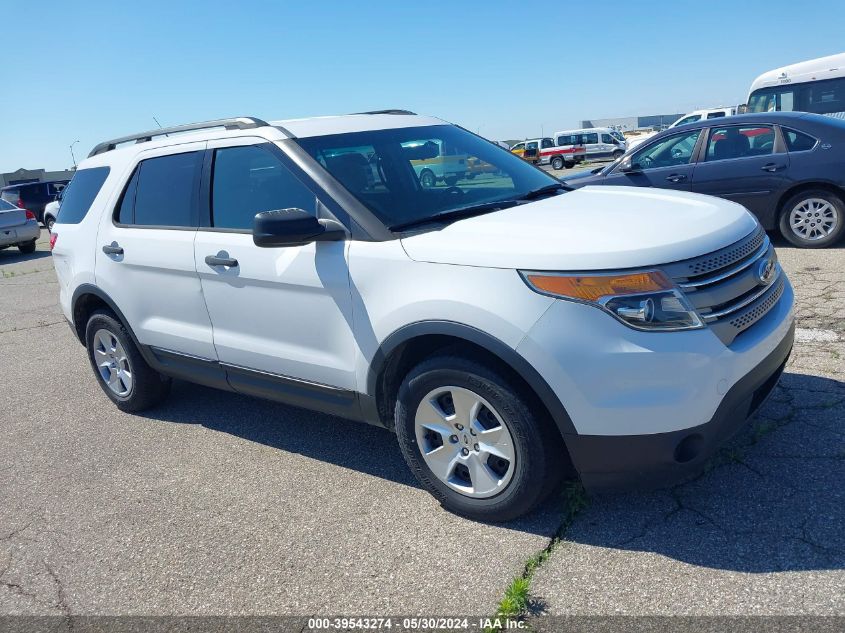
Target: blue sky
{"points": [[504, 69]]}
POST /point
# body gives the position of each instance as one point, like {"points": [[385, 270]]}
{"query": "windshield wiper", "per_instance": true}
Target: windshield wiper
{"points": [[543, 191], [456, 214]]}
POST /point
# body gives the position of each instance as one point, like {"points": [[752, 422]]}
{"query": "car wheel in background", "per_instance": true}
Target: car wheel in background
{"points": [[27, 247], [121, 371], [569, 165], [49, 221], [451, 181], [427, 179], [474, 442], [813, 218], [617, 154], [557, 162]]}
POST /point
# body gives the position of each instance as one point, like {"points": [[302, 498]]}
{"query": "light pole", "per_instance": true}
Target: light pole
{"points": [[71, 152]]}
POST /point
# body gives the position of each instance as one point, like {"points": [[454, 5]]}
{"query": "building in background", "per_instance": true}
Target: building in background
{"points": [[33, 175], [630, 123]]}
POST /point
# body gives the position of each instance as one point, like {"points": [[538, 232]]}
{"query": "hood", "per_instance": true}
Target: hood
{"points": [[589, 229]]}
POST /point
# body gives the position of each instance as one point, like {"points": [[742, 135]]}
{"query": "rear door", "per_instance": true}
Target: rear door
{"points": [[145, 253], [667, 163], [744, 163]]}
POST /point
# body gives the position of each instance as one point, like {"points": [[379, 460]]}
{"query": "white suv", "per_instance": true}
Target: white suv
{"points": [[511, 332]]}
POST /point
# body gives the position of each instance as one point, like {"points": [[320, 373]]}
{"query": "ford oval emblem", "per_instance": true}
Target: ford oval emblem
{"points": [[766, 271]]}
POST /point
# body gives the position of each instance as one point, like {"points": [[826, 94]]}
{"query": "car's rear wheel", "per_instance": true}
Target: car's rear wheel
{"points": [[427, 179], [451, 181], [49, 221], [569, 165], [813, 219], [121, 371], [474, 442], [27, 247], [557, 162]]}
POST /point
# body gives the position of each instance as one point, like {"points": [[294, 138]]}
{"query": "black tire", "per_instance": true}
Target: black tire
{"points": [[49, 221], [569, 165], [617, 154], [451, 181], [149, 388], [539, 452], [558, 163], [427, 179], [822, 194], [27, 247]]}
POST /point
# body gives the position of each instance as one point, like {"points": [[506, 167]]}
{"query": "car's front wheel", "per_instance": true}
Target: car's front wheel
{"points": [[473, 441], [121, 371], [813, 219]]}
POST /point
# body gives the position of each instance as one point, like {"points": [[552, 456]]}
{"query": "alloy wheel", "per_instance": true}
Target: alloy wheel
{"points": [[813, 219], [112, 363], [465, 442]]}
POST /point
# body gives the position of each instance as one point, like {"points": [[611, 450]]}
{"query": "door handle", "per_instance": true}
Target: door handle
{"points": [[772, 167], [113, 249], [214, 260], [676, 178]]}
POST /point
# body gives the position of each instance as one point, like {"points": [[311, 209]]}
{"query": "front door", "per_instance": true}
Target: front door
{"points": [[667, 163], [744, 163], [282, 317]]}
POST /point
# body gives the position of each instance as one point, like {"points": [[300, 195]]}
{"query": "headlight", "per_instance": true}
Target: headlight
{"points": [[645, 300]]}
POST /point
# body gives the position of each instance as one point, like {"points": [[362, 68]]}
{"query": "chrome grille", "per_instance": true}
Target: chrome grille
{"points": [[725, 286]]}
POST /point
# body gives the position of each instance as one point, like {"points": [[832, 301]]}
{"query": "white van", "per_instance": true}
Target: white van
{"points": [[710, 113], [599, 142], [817, 85]]}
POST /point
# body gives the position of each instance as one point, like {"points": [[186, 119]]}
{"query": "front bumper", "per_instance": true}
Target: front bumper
{"points": [[656, 460], [21, 233]]}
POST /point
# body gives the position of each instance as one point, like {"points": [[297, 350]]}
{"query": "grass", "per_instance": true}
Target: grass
{"points": [[515, 602]]}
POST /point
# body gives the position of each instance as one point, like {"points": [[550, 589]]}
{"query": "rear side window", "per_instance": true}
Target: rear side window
{"points": [[163, 192], [740, 142], [249, 180], [10, 195], [798, 141], [6, 206], [80, 194]]}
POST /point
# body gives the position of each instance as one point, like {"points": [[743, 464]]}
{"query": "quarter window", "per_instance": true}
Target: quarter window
{"points": [[798, 141], [740, 141], [80, 194], [249, 180], [165, 192], [669, 152]]}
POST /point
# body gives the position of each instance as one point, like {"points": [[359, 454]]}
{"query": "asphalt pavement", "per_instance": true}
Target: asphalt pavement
{"points": [[216, 503]]}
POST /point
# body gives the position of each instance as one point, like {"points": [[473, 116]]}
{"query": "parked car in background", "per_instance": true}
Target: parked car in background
{"points": [[51, 212], [18, 227], [788, 169], [698, 115], [530, 150], [33, 196], [441, 164], [598, 142], [816, 86]]}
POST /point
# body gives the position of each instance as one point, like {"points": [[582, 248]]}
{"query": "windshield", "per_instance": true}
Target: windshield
{"points": [[407, 175]]}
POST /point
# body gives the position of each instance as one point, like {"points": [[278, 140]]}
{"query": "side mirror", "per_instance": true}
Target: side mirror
{"points": [[628, 167], [293, 227]]}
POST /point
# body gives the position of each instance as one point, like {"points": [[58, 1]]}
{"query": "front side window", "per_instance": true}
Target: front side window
{"points": [[80, 193], [607, 138], [249, 180], [668, 152], [166, 192], [778, 99], [404, 177], [518, 146], [740, 141], [798, 141]]}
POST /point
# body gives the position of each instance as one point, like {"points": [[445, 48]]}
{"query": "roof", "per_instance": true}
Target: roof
{"points": [[325, 125], [272, 131]]}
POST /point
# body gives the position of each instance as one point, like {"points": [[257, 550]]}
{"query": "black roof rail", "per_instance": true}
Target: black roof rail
{"points": [[390, 111], [236, 123]]}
